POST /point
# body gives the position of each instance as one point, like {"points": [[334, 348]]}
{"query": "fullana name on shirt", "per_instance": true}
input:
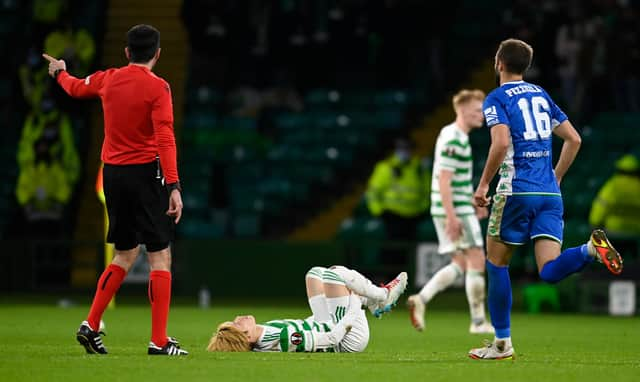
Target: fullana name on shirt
{"points": [[522, 89]]}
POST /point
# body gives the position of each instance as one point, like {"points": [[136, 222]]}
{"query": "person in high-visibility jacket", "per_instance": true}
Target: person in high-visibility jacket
{"points": [[43, 188], [75, 46], [617, 206], [54, 126], [398, 192]]}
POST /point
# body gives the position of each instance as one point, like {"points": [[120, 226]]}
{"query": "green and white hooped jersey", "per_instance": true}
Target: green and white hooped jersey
{"points": [[453, 153], [291, 336]]}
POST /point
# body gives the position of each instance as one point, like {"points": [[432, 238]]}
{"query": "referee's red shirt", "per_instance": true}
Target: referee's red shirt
{"points": [[138, 115]]}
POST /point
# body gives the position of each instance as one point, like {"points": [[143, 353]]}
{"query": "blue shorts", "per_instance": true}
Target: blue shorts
{"points": [[516, 219]]}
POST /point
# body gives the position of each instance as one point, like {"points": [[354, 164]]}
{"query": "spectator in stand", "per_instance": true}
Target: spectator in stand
{"points": [[75, 46], [50, 125], [616, 208], [398, 192], [43, 189]]}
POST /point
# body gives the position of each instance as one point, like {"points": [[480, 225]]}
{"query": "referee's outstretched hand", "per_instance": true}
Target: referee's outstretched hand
{"points": [[175, 205], [54, 64]]}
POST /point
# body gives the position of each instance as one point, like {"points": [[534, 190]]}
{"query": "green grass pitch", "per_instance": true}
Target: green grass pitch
{"points": [[37, 343]]}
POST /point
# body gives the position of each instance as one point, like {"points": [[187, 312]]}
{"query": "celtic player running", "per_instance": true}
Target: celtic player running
{"points": [[454, 217], [338, 324]]}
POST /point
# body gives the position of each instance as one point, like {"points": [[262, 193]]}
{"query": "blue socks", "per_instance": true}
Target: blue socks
{"points": [[499, 300], [571, 260]]}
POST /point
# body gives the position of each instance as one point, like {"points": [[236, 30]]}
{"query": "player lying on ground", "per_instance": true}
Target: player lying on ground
{"points": [[338, 322]]}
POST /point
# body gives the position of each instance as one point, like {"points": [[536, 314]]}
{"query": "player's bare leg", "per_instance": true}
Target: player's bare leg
{"points": [[440, 281], [475, 289]]}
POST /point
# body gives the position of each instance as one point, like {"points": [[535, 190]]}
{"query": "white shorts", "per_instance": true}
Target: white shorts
{"points": [[471, 234], [358, 337]]}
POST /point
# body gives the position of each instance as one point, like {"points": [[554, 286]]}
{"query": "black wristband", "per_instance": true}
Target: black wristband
{"points": [[56, 73], [174, 186]]}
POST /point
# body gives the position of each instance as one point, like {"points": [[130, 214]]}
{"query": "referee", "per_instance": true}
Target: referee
{"points": [[141, 184]]}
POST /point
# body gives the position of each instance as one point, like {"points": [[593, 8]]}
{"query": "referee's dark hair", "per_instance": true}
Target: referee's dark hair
{"points": [[143, 41]]}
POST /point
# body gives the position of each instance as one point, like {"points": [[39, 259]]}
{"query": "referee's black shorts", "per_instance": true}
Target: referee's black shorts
{"points": [[137, 202]]}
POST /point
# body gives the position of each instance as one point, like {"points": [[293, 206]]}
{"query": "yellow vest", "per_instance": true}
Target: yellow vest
{"points": [[42, 185], [400, 188], [617, 206], [57, 42], [64, 150]]}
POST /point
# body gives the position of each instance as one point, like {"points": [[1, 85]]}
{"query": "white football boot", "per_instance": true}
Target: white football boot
{"points": [[496, 350], [394, 288]]}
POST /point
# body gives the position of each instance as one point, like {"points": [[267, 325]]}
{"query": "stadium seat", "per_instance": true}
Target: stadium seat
{"points": [[427, 231], [386, 98], [373, 228], [241, 123], [292, 120], [200, 229], [202, 98], [318, 99], [537, 296], [201, 120], [247, 225]]}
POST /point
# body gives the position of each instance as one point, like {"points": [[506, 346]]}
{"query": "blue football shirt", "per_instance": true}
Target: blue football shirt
{"points": [[531, 116]]}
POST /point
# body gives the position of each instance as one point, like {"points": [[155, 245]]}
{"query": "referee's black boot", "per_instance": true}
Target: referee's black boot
{"points": [[171, 348], [90, 339]]}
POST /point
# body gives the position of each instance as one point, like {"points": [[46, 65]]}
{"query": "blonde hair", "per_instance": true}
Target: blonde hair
{"points": [[229, 338], [467, 95]]}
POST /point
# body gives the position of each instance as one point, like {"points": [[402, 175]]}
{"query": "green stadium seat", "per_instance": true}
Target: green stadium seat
{"points": [[202, 98], [243, 200], [201, 120], [389, 119], [427, 231], [537, 296], [326, 120], [239, 123], [322, 98], [200, 229], [246, 225], [388, 98], [373, 228], [350, 229], [292, 120], [357, 99], [196, 169], [195, 200], [361, 210]]}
